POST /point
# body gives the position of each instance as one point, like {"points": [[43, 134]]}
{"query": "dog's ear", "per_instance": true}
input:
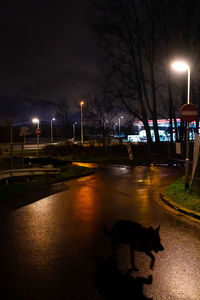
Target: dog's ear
{"points": [[157, 229]]}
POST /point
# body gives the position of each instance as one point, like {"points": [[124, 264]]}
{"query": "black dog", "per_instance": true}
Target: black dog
{"points": [[140, 238]]}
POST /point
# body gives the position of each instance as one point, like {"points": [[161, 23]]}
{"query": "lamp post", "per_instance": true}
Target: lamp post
{"points": [[82, 102], [181, 66], [74, 130], [37, 121], [53, 119], [105, 123], [114, 127], [120, 125]]}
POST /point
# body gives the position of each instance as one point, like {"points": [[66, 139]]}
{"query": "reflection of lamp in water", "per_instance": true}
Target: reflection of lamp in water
{"points": [[181, 66], [84, 202]]}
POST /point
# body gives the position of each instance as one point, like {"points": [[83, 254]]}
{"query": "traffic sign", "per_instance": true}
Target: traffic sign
{"points": [[24, 131], [189, 112], [38, 131]]}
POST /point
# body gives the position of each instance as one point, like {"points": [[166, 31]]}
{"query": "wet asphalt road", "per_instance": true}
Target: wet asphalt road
{"points": [[55, 248]]}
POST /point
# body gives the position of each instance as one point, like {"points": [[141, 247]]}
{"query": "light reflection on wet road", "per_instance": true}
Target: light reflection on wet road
{"points": [[48, 247]]}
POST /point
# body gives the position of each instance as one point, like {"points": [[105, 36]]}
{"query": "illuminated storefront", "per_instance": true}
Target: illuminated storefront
{"points": [[163, 130]]}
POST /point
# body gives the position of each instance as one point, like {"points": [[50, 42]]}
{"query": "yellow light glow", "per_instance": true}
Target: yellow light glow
{"points": [[88, 165], [84, 207], [180, 66], [82, 102]]}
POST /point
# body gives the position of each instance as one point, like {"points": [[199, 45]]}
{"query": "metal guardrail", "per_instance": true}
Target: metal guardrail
{"points": [[27, 172], [18, 146]]}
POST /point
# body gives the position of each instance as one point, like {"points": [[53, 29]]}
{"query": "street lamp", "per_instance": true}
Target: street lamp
{"points": [[74, 130], [82, 102], [181, 66], [37, 121], [115, 124], [105, 123], [119, 125], [53, 119]]}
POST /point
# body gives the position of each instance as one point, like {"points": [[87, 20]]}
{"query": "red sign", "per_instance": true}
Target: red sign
{"points": [[38, 131], [189, 112]]}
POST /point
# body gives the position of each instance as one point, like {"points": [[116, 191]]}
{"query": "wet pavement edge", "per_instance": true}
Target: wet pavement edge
{"points": [[178, 207]]}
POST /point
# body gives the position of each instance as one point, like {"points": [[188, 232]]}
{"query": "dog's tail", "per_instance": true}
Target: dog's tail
{"points": [[106, 232]]}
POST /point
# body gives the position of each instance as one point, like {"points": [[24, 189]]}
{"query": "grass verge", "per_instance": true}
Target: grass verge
{"points": [[19, 185], [179, 194]]}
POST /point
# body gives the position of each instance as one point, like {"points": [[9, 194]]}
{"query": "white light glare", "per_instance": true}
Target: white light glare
{"points": [[35, 120], [180, 66]]}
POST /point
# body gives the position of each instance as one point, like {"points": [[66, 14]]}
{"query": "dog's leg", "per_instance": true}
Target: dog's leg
{"points": [[152, 259], [115, 246], [132, 257]]}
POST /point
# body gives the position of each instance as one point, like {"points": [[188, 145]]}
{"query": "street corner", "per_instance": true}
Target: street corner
{"points": [[177, 208]]}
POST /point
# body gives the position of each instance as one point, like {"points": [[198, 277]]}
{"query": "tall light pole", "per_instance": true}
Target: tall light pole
{"points": [[181, 66], [74, 130], [37, 121], [120, 125], [82, 102], [114, 127], [53, 119]]}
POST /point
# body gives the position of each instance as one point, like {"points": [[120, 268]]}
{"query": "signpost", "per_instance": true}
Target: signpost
{"points": [[188, 113], [38, 131], [24, 131]]}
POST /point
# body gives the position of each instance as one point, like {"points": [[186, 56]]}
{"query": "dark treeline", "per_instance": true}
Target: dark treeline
{"points": [[139, 40]]}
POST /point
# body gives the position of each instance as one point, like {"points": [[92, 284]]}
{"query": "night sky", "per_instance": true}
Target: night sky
{"points": [[47, 55]]}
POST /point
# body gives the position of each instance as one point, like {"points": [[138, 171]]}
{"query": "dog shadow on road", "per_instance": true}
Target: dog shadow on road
{"points": [[112, 284]]}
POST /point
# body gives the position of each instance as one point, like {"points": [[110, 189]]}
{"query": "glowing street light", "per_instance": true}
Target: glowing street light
{"points": [[105, 124], [120, 125], [53, 119], [74, 130], [181, 66], [82, 102], [37, 121], [115, 124]]}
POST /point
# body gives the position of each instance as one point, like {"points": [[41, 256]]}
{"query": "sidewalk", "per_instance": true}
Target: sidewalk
{"points": [[178, 207]]}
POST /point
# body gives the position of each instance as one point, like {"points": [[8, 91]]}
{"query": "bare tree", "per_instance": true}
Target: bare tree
{"points": [[121, 29], [139, 39], [101, 110]]}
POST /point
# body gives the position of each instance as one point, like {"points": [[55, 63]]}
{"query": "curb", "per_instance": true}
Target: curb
{"points": [[178, 207]]}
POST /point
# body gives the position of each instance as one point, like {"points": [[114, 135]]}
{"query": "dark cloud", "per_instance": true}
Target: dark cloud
{"points": [[46, 51]]}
